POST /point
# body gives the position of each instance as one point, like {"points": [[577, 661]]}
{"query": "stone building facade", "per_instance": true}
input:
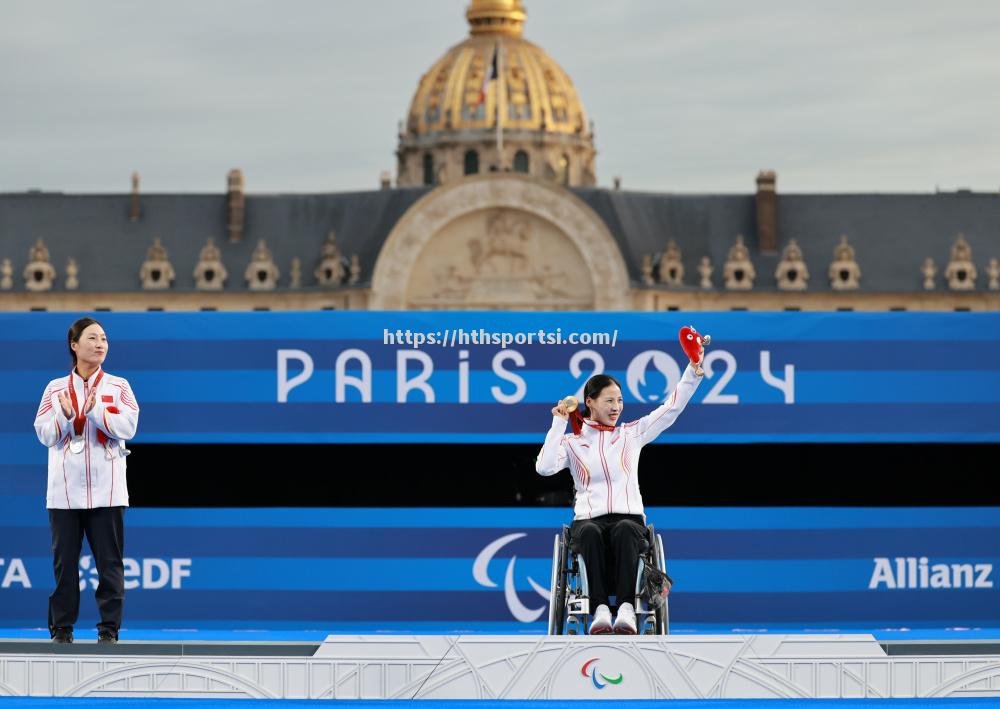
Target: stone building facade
{"points": [[488, 219]]}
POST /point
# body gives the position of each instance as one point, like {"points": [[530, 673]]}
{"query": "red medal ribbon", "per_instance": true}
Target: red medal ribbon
{"points": [[577, 422], [80, 415]]}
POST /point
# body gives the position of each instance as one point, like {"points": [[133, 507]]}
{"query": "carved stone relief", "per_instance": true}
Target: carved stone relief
{"points": [[500, 241], [499, 256]]}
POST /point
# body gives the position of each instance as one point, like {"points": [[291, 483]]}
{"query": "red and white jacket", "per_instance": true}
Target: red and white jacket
{"points": [[604, 460], [95, 477]]}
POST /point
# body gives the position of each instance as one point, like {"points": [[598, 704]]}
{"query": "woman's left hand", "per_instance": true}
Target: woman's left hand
{"points": [[91, 400]]}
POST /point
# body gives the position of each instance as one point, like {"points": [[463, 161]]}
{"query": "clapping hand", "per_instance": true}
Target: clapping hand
{"points": [[66, 403]]}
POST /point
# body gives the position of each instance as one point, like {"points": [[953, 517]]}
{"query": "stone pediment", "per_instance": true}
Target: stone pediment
{"points": [[500, 256], [500, 242]]}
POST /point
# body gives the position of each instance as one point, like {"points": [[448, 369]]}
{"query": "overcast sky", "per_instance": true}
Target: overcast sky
{"points": [[305, 95]]}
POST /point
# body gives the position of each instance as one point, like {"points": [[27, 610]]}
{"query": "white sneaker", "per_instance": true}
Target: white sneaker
{"points": [[625, 622], [601, 625]]}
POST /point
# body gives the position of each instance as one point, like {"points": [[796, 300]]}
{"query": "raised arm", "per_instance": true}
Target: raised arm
{"points": [[663, 417]]}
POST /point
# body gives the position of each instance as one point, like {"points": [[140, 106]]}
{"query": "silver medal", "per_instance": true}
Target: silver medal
{"points": [[76, 444]]}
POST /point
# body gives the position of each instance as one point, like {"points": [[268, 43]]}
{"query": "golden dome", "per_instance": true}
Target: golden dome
{"points": [[536, 94]]}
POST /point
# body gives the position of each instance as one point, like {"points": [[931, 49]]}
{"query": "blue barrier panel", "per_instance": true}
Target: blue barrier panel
{"points": [[353, 377], [314, 377], [407, 569]]}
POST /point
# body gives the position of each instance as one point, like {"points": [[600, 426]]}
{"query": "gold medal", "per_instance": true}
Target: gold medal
{"points": [[570, 402]]}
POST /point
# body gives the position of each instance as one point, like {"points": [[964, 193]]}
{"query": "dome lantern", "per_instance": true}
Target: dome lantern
{"points": [[502, 17]]}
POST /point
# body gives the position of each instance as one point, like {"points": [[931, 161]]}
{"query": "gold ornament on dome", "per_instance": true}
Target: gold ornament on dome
{"points": [[496, 17]]}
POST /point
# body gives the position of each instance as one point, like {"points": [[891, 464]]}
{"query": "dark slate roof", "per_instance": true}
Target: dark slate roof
{"points": [[891, 234], [643, 223], [110, 249]]}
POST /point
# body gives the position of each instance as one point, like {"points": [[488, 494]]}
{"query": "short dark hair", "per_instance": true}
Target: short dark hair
{"points": [[594, 386], [75, 330]]}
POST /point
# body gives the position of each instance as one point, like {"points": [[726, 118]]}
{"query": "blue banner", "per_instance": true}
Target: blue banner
{"points": [[488, 569], [404, 377], [492, 377]]}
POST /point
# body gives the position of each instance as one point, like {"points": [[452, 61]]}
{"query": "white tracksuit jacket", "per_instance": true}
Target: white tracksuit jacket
{"points": [[95, 477], [605, 463]]}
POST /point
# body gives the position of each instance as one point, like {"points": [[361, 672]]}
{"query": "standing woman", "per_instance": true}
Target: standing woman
{"points": [[602, 454], [84, 420]]}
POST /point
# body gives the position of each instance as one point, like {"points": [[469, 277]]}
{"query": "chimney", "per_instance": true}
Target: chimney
{"points": [[134, 211], [385, 180], [618, 184], [767, 211], [235, 202]]}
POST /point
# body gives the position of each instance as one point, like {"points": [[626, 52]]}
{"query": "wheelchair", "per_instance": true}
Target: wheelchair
{"points": [[569, 604]]}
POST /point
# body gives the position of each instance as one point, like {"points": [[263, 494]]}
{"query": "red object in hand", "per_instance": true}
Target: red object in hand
{"points": [[692, 342]]}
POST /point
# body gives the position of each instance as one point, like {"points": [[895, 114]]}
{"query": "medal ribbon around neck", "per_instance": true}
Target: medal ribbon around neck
{"points": [[79, 414]]}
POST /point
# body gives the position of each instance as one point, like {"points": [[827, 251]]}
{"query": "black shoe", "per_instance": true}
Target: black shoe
{"points": [[62, 635], [106, 637]]}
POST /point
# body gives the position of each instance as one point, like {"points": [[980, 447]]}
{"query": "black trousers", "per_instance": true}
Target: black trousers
{"points": [[105, 530], [610, 546]]}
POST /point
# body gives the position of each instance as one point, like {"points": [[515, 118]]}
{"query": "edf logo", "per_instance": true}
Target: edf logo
{"points": [[140, 573]]}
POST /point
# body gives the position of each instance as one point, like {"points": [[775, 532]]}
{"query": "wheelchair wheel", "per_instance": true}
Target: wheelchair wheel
{"points": [[662, 613], [557, 585]]}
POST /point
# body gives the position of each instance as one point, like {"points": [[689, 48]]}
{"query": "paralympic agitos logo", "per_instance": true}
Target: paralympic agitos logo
{"points": [[480, 572], [594, 675]]}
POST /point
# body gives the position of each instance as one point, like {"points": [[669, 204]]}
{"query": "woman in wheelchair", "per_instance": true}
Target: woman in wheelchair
{"points": [[608, 527]]}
